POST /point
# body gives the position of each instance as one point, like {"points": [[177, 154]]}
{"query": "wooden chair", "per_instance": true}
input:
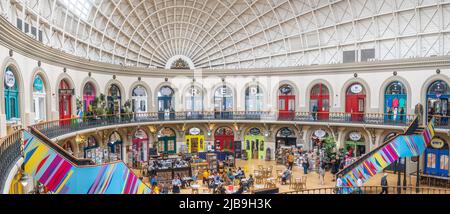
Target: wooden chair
{"points": [[194, 190], [258, 177], [279, 173], [303, 182], [297, 186]]}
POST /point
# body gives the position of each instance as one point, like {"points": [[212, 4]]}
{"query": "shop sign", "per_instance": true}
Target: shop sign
{"points": [[285, 132], [10, 79], [194, 131], [437, 143], [38, 85], [66, 91], [355, 136], [223, 92], [285, 89], [320, 133], [254, 131], [356, 89]]}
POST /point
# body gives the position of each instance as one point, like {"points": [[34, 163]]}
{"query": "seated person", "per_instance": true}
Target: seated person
{"points": [[230, 174], [250, 181], [241, 189], [240, 173], [220, 190], [285, 176]]}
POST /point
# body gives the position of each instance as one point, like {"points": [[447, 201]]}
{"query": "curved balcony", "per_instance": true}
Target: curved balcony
{"points": [[57, 128]]}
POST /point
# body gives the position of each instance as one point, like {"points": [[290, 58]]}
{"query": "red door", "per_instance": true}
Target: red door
{"points": [[65, 108], [286, 107], [320, 98], [355, 104], [224, 139]]}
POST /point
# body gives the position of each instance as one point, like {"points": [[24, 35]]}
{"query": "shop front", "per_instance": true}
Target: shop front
{"points": [[93, 151], [286, 102], [395, 102], [139, 148], [224, 139], [317, 138], [438, 96], [285, 137], [166, 103], [39, 97], [167, 141], [436, 158], [11, 95], [114, 100], [319, 103], [355, 145], [65, 101], [115, 146], [254, 144], [355, 101], [195, 140], [139, 99], [89, 94]]}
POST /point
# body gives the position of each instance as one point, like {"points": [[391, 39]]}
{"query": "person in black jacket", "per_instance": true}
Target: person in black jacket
{"points": [[384, 184]]}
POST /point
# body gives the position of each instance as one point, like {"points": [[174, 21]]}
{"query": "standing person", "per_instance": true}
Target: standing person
{"points": [[314, 111], [305, 165], [154, 180], [322, 173], [359, 185], [339, 184], [290, 160], [205, 176], [176, 184], [384, 184]]}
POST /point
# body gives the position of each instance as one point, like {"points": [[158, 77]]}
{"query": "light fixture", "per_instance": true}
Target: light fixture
{"points": [[24, 179]]}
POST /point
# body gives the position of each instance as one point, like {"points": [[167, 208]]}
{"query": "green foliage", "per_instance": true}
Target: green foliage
{"points": [[329, 145]]}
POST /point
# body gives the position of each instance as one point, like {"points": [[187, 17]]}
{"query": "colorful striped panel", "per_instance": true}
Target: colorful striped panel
{"points": [[61, 176], [401, 147]]}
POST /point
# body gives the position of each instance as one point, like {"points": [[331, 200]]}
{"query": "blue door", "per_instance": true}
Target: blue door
{"points": [[11, 102], [165, 110], [436, 162]]}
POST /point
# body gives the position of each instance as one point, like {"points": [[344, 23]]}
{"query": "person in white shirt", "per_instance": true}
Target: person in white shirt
{"points": [[339, 184], [359, 185]]}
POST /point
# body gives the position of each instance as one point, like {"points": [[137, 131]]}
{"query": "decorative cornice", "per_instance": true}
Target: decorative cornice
{"points": [[12, 38]]}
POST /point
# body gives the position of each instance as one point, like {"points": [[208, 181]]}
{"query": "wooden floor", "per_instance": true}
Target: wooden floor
{"points": [[313, 180]]}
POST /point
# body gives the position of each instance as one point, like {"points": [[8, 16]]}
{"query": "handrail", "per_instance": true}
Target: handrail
{"points": [[10, 153], [374, 190], [411, 128]]}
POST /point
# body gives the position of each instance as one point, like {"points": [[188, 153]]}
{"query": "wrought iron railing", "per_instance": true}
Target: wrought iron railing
{"points": [[374, 190], [10, 153], [56, 128]]}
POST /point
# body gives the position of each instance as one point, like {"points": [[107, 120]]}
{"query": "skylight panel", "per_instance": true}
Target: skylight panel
{"points": [[80, 8]]}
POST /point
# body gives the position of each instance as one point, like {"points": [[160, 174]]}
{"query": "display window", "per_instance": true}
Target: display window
{"points": [[285, 137], [139, 99], [355, 101], [195, 140], [166, 103], [11, 95], [254, 144], [395, 99], [224, 139], [355, 145], [223, 102], [89, 94], [139, 147], [39, 99], [436, 158], [319, 102], [253, 99], [286, 102], [114, 99], [167, 141], [194, 102], [438, 96], [115, 146]]}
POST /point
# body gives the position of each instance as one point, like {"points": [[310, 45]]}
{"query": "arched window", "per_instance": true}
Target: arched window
{"points": [[139, 97], [11, 95], [223, 102], [194, 99], [167, 141], [355, 101], [285, 137], [224, 139], [253, 98], [114, 99], [286, 102], [65, 100], [166, 103], [140, 147], [355, 144], [395, 102], [89, 94], [319, 104], [115, 146], [437, 101], [39, 96]]}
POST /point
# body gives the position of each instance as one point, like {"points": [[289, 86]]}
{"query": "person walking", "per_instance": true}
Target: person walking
{"points": [[290, 161], [384, 184], [176, 184], [339, 184], [359, 185], [322, 173], [305, 165]]}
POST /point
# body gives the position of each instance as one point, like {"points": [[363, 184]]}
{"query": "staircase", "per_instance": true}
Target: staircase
{"points": [[62, 173], [412, 143]]}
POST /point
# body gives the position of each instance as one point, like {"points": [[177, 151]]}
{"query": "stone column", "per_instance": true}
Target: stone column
{"points": [[340, 138]]}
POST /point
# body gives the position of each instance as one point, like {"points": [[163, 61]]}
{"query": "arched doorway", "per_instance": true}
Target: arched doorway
{"points": [[436, 158], [355, 144], [437, 102], [223, 103], [167, 141], [114, 99], [68, 147], [319, 103], [11, 95], [355, 101], [92, 150], [194, 102], [39, 99], [115, 146], [166, 103], [286, 102], [224, 139], [253, 101], [139, 148], [139, 99], [65, 100], [89, 94], [395, 99], [254, 144], [195, 140], [285, 137]]}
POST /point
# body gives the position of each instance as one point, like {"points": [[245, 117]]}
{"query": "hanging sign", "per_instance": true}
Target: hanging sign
{"points": [[356, 89], [254, 131], [10, 79], [320, 133], [194, 131], [355, 136], [437, 143], [38, 85], [285, 132], [285, 89], [66, 91]]}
